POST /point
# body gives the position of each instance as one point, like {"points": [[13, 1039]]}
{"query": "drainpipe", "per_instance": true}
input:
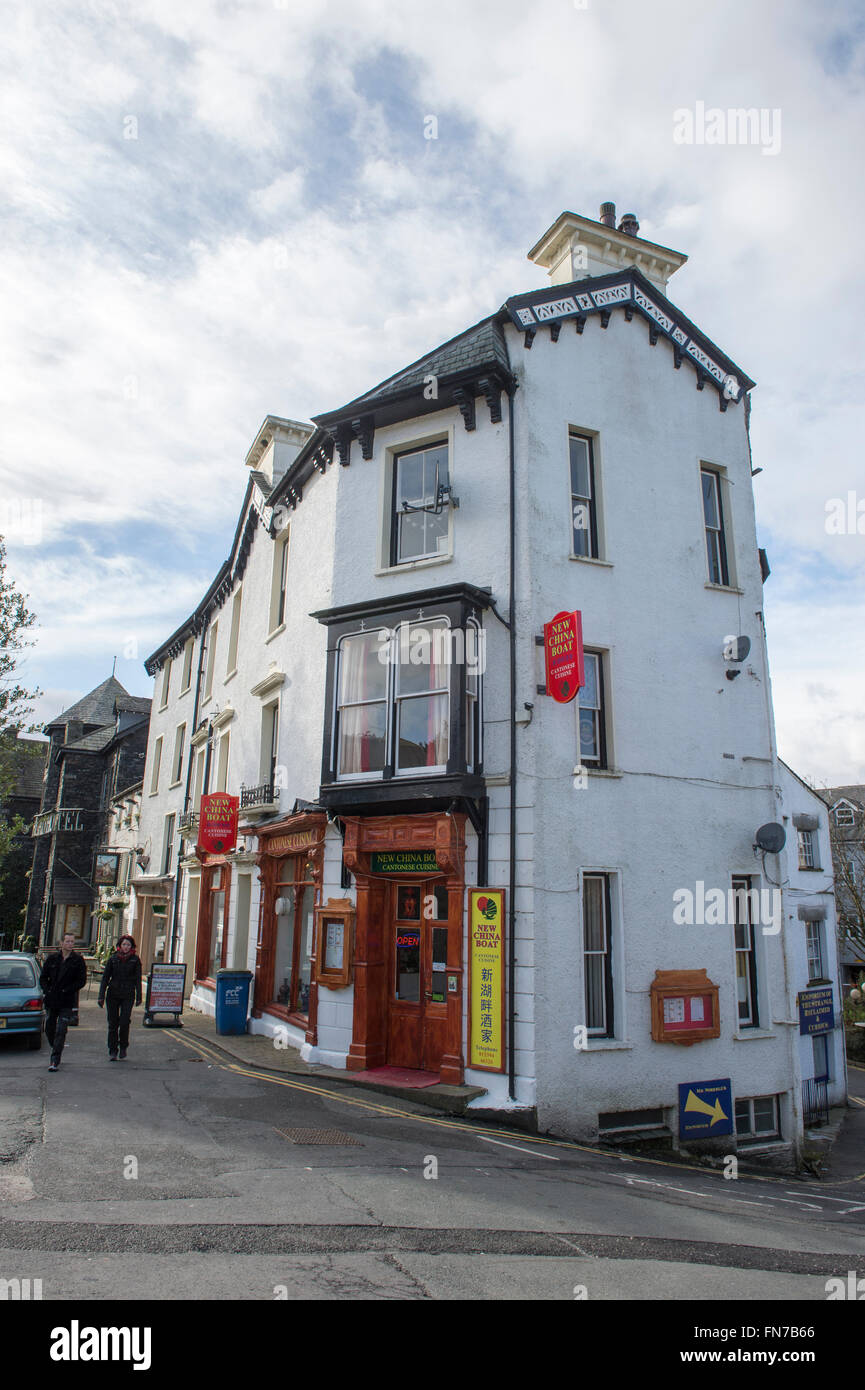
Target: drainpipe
{"points": [[189, 766], [512, 881]]}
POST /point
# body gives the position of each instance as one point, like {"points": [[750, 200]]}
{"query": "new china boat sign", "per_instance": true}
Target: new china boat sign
{"points": [[563, 656], [217, 825]]}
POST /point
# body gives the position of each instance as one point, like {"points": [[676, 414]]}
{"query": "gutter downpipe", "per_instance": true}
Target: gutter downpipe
{"points": [[512, 879], [189, 767]]}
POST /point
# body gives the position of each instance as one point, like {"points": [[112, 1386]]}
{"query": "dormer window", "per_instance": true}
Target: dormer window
{"points": [[844, 814]]}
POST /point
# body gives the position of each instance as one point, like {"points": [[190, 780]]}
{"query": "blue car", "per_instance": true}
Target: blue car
{"points": [[21, 1010]]}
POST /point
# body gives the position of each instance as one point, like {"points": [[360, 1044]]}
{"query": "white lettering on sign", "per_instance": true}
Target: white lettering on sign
{"points": [[555, 309]]}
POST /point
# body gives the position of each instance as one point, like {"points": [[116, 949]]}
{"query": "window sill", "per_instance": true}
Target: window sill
{"points": [[275, 633], [408, 565], [604, 772], [153, 793], [186, 689], [752, 1035], [178, 783], [759, 1144], [163, 707], [810, 869], [724, 588], [591, 560], [606, 1045], [230, 676]]}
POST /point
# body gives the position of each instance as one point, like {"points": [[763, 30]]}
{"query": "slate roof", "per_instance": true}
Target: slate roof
{"points": [[855, 792], [29, 755], [91, 743], [134, 704], [481, 346], [95, 708]]}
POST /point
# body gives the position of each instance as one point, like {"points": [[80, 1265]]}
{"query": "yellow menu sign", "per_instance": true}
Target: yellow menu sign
{"points": [[487, 979]]}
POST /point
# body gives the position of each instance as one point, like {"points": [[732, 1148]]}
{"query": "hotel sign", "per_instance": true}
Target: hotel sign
{"points": [[487, 979], [563, 656], [217, 825]]}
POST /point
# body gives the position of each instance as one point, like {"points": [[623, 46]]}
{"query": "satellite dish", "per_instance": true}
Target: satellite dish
{"points": [[771, 838]]}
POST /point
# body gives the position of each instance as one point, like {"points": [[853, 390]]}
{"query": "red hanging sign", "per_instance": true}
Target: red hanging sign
{"points": [[217, 823], [563, 656]]}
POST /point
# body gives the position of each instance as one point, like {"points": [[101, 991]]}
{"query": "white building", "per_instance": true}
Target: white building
{"points": [[583, 448]]}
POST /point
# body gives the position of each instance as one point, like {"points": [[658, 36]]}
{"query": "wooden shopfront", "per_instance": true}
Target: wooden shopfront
{"points": [[410, 880], [213, 904], [290, 866]]}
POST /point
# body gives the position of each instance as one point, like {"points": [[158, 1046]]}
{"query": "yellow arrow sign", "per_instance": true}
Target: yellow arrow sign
{"points": [[695, 1103]]}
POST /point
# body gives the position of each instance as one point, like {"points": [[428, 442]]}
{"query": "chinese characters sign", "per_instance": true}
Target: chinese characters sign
{"points": [[487, 978], [563, 656], [217, 826]]}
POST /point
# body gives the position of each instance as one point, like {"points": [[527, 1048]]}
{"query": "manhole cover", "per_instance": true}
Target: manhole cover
{"points": [[319, 1136]]}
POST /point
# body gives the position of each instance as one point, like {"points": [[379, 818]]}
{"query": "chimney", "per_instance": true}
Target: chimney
{"points": [[578, 248], [276, 446]]}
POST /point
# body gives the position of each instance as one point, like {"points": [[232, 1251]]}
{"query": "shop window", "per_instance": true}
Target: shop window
{"points": [[216, 905], [294, 907]]}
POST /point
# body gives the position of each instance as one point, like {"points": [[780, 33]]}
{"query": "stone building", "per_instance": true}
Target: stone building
{"points": [[95, 749]]}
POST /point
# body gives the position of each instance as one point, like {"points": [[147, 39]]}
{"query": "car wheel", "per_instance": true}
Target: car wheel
{"points": [[34, 1042]]}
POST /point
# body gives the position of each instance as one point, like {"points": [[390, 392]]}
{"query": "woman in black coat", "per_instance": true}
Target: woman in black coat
{"points": [[120, 989]]}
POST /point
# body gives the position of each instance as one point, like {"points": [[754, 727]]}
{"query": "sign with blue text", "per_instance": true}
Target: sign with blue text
{"points": [[816, 1010], [705, 1109]]}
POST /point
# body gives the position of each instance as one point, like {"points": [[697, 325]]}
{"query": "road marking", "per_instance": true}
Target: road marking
{"points": [[502, 1145], [854, 1100], [464, 1128]]}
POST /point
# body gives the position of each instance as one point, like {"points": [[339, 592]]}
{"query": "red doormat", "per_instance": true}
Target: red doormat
{"points": [[399, 1076]]}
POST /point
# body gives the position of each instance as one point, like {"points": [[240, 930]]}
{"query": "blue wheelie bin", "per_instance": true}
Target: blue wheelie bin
{"points": [[232, 1000]]}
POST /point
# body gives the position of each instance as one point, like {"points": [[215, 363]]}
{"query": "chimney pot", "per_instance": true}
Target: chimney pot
{"points": [[629, 224], [608, 214]]}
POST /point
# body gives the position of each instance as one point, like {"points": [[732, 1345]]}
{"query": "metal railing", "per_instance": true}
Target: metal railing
{"points": [[257, 796], [815, 1102], [188, 821]]}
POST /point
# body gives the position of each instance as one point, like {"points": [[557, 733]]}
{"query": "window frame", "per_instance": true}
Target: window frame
{"points": [[179, 752], [807, 849], [210, 666], [169, 831], [751, 1134], [394, 529], [745, 882], [279, 579], [601, 762], [593, 552], [166, 684], [814, 952], [156, 765], [234, 632], [720, 531], [607, 1029], [186, 671]]}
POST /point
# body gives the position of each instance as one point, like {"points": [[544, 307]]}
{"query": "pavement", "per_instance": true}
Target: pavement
{"points": [[256, 1050]]}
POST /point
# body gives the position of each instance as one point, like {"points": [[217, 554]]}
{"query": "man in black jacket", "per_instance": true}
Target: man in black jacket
{"points": [[120, 988], [63, 975]]}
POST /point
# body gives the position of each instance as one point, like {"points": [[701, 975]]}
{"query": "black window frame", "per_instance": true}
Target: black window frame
{"points": [[459, 603], [411, 449], [744, 883], [608, 1031], [602, 762]]}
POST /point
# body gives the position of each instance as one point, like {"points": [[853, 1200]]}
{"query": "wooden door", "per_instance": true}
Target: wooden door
{"points": [[417, 1013]]}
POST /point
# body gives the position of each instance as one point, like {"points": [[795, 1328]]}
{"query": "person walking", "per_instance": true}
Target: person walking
{"points": [[63, 975], [120, 990]]}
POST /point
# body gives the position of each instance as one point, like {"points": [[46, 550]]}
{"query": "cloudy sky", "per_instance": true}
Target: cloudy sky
{"points": [[215, 211]]}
